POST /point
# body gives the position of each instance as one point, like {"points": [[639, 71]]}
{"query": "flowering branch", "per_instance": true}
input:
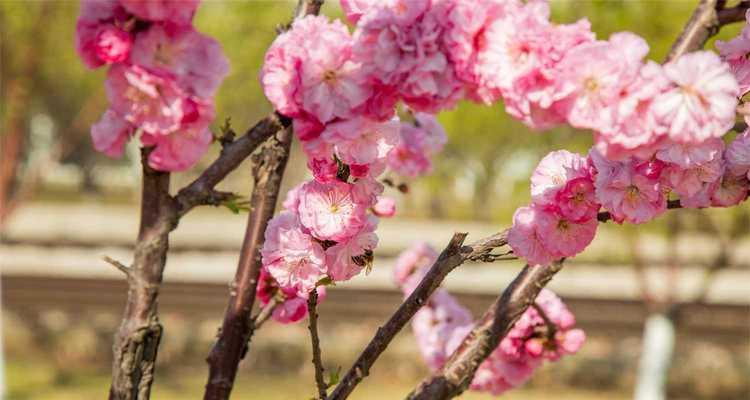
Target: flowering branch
{"points": [[487, 334], [454, 254], [312, 318], [459, 370]]}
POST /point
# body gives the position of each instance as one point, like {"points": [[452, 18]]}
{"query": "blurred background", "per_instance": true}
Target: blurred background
{"points": [[63, 207]]}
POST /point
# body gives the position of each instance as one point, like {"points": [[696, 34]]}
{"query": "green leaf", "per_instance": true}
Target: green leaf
{"points": [[333, 377]]}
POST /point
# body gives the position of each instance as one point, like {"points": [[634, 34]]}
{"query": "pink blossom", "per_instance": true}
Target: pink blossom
{"points": [[102, 33], [730, 190], [291, 202], [634, 130], [323, 169], [404, 50], [385, 207], [702, 102], [330, 211], [417, 257], [110, 133], [686, 155], [465, 38], [553, 173], [577, 202], [177, 11], [561, 236], [435, 325], [526, 240], [150, 101], [689, 181], [177, 151], [366, 191], [362, 140], [738, 154], [735, 52], [196, 60], [292, 307], [346, 259], [629, 195], [310, 68], [411, 155], [291, 256], [595, 74]]}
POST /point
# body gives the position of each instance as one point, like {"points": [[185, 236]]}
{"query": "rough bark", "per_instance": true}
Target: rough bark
{"points": [[233, 338], [137, 340], [312, 326]]}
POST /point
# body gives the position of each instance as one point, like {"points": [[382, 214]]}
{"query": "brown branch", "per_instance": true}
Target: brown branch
{"points": [[551, 327], [312, 318], [709, 16], [138, 337], [232, 341], [201, 190], [120, 266], [459, 370], [263, 315], [454, 254]]}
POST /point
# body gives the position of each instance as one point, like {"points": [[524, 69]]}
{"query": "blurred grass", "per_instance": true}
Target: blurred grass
{"points": [[32, 381]]}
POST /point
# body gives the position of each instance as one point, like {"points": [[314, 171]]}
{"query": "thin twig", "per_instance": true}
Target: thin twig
{"points": [[551, 327], [264, 314], [454, 254], [122, 267], [312, 318]]}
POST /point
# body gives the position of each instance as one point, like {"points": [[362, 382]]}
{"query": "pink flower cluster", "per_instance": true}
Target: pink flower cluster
{"points": [[442, 324], [162, 80], [568, 190], [561, 220]]}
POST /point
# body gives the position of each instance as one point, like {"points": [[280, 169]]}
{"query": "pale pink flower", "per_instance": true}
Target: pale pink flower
{"points": [[291, 256], [702, 102], [291, 201], [404, 11], [629, 195], [346, 259], [435, 325], [385, 207], [102, 33], [686, 155], [366, 191], [466, 23], [150, 101], [553, 173], [738, 154], [418, 143], [419, 256], [196, 60], [595, 74], [526, 240], [634, 130], [292, 307], [177, 11], [689, 181], [330, 211], [110, 133], [362, 140], [310, 68]]}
